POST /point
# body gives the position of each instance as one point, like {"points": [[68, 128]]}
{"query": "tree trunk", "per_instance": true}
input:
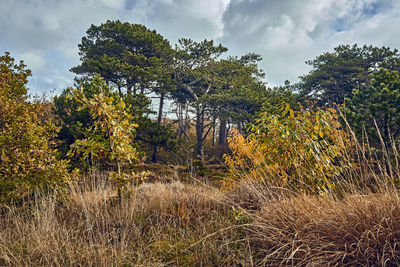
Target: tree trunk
{"points": [[129, 86], [154, 157], [213, 132], [119, 91], [186, 120], [199, 131], [222, 132], [181, 121], [119, 189], [179, 114], [159, 118], [240, 128]]}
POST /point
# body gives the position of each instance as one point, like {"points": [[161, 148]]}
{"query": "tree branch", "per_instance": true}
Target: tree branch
{"points": [[208, 131], [190, 91]]}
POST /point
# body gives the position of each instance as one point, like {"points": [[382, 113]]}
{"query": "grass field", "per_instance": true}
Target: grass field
{"points": [[194, 224]]}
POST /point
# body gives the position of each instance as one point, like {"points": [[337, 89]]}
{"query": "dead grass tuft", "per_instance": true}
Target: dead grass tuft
{"points": [[358, 230]]}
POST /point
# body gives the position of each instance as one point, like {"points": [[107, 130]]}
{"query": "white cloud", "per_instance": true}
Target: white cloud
{"points": [[378, 31], [117, 4], [46, 33], [288, 32], [55, 27], [179, 18], [33, 59]]}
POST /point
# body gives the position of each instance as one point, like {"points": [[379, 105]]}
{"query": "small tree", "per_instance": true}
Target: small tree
{"points": [[113, 121]]}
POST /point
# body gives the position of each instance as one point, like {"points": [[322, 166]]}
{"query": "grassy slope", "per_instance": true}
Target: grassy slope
{"points": [[185, 225]]}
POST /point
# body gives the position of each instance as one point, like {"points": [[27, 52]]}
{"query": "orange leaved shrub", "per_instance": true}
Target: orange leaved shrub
{"points": [[300, 150]]}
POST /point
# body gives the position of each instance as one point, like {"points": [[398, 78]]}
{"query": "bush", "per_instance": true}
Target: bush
{"points": [[27, 159], [300, 150]]}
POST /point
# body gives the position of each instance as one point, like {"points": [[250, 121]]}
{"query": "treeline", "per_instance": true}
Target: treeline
{"points": [[109, 120], [207, 90]]}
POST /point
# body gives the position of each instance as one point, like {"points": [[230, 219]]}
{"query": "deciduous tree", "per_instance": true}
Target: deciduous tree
{"points": [[28, 159]]}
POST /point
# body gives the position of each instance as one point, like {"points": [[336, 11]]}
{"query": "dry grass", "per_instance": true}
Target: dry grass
{"points": [[184, 225], [181, 224], [157, 226], [321, 231]]}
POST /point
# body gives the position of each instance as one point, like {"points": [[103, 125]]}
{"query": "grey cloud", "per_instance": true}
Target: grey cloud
{"points": [[287, 32], [179, 18], [46, 33], [36, 30]]}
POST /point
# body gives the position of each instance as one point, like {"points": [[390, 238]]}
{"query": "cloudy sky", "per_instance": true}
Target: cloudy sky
{"points": [[46, 33]]}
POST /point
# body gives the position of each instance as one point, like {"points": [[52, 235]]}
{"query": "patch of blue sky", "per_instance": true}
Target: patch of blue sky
{"points": [[129, 4], [341, 25], [373, 8], [356, 15]]}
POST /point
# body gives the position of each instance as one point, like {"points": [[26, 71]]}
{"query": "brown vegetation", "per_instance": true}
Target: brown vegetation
{"points": [[194, 224], [157, 226]]}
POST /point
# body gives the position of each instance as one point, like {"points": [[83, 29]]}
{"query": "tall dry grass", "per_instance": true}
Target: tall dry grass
{"points": [[157, 226], [287, 228], [306, 231], [180, 224]]}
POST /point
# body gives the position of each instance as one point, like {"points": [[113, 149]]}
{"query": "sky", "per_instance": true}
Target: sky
{"points": [[286, 33]]}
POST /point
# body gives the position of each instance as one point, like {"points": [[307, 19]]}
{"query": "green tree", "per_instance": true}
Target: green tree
{"points": [[75, 122], [276, 95], [334, 75], [240, 92], [195, 79], [133, 57], [123, 54], [161, 135], [376, 105], [28, 159]]}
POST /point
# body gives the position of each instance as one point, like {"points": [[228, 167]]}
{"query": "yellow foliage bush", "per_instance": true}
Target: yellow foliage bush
{"points": [[27, 157], [300, 150]]}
